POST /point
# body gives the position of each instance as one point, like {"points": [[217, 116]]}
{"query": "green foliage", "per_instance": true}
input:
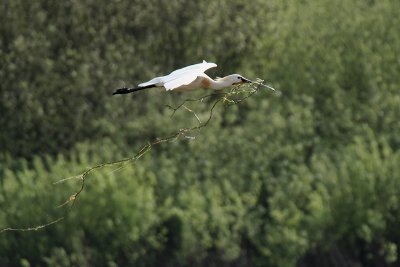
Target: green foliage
{"points": [[306, 177]]}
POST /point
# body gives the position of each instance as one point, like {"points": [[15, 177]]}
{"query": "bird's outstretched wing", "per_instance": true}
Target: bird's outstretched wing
{"points": [[154, 81], [182, 76]]}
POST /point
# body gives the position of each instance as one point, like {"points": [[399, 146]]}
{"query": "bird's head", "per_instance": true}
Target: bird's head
{"points": [[234, 79]]}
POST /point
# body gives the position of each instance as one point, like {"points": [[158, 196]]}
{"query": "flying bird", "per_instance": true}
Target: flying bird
{"points": [[189, 78]]}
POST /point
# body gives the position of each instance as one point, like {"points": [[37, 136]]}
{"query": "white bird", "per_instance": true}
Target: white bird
{"points": [[189, 78]]}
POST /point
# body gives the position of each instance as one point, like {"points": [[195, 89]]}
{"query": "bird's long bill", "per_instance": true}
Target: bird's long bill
{"points": [[250, 81], [246, 80]]}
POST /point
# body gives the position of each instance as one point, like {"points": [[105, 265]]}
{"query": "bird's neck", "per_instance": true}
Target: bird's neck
{"points": [[220, 84]]}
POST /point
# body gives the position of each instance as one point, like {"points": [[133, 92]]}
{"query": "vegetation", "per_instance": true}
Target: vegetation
{"points": [[307, 177]]}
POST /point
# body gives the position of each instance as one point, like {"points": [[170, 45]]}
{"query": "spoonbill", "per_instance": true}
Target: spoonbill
{"points": [[189, 78]]}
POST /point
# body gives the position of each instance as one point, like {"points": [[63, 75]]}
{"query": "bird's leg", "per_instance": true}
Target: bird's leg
{"points": [[127, 90], [123, 90]]}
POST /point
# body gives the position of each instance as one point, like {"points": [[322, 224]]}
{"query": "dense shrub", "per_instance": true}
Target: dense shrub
{"points": [[308, 176]]}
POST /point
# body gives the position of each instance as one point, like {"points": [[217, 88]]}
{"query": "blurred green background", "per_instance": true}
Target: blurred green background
{"points": [[310, 177]]}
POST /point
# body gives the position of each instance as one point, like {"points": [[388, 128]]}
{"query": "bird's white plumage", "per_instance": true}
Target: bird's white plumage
{"points": [[190, 78], [156, 80], [180, 81], [180, 77]]}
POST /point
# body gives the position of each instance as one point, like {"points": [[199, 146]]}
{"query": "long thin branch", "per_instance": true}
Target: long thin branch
{"points": [[33, 228], [226, 98]]}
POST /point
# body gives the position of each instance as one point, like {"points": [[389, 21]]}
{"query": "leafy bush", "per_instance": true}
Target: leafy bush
{"points": [[308, 176]]}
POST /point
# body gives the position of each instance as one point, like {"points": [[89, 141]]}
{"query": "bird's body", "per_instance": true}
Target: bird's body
{"points": [[187, 79]]}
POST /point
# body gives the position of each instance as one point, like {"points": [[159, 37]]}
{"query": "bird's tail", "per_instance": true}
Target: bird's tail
{"points": [[127, 90]]}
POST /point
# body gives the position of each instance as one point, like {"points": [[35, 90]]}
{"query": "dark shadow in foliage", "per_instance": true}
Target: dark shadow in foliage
{"points": [[171, 229]]}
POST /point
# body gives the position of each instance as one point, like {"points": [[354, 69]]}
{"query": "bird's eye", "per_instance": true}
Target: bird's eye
{"points": [[239, 77]]}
